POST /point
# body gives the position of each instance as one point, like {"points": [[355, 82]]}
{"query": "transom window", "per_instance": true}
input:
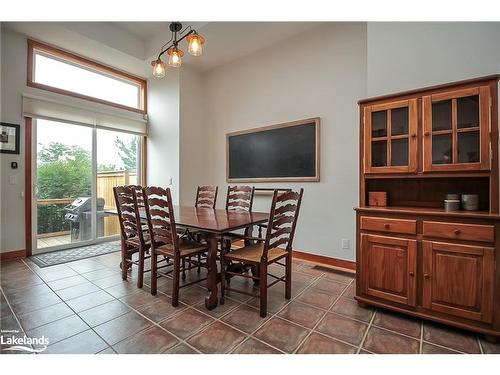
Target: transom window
{"points": [[56, 70]]}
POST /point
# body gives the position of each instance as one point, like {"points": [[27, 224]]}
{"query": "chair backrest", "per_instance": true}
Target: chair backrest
{"points": [[239, 198], [128, 212], [206, 196], [282, 220], [139, 195], [160, 216]]}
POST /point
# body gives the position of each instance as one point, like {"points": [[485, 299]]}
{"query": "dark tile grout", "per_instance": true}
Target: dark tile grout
{"points": [[132, 308], [314, 279], [73, 312]]}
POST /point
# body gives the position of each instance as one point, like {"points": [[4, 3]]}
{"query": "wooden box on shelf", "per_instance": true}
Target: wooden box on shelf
{"points": [[377, 198], [413, 257]]}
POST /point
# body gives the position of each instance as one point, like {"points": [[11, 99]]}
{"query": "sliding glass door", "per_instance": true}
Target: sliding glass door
{"points": [[117, 164], [74, 171]]}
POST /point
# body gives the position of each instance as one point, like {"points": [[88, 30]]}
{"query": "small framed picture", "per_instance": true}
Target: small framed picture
{"points": [[9, 138]]}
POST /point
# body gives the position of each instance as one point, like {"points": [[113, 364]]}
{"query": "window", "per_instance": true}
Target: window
{"points": [[59, 71]]}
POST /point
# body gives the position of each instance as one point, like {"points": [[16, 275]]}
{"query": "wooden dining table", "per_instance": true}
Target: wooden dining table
{"points": [[213, 223]]}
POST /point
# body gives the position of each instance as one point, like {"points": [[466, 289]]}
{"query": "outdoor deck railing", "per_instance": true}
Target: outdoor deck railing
{"points": [[104, 188]]}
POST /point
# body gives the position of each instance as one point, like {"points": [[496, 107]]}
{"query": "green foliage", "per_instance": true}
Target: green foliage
{"points": [[66, 172], [63, 172], [127, 152], [106, 168]]}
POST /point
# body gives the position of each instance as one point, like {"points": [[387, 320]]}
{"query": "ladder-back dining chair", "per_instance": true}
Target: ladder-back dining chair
{"points": [[276, 245], [133, 237], [206, 196], [239, 198], [166, 242]]}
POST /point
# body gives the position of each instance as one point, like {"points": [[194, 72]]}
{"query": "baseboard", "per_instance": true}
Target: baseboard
{"points": [[332, 262], [344, 265], [17, 254]]}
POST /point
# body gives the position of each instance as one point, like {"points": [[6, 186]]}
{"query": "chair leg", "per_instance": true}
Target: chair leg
{"points": [[255, 272], [288, 277], [222, 279], [183, 268], [154, 271], [263, 290], [140, 268], [226, 246], [175, 284], [199, 263], [124, 263]]}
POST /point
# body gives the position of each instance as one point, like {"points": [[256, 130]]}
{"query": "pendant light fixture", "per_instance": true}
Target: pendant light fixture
{"points": [[195, 48]]}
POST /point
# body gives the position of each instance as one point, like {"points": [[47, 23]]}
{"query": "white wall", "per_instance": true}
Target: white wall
{"points": [[13, 82], [163, 132], [194, 131], [320, 73], [403, 56]]}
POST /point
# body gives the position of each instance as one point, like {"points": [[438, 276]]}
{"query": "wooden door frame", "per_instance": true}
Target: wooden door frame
{"points": [[28, 185]]}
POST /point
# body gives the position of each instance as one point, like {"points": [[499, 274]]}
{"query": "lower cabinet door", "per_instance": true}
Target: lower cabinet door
{"points": [[458, 280], [388, 268]]}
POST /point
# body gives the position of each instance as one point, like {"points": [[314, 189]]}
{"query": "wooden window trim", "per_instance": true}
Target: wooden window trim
{"points": [[89, 64]]}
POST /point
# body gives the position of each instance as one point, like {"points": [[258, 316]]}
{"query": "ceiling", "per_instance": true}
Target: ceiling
{"points": [[225, 41], [132, 45], [143, 30]]}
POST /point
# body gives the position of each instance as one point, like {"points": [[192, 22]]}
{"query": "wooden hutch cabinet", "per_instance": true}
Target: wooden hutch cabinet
{"points": [[413, 256]]}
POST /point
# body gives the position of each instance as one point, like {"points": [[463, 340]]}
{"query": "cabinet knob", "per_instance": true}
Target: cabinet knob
{"points": [[387, 226], [456, 231], [412, 274], [426, 275], [414, 135], [427, 134]]}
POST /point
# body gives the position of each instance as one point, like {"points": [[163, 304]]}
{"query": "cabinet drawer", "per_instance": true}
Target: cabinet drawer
{"points": [[471, 232], [381, 224]]}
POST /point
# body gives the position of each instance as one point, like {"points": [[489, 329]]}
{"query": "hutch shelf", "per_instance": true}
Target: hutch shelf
{"points": [[414, 257]]}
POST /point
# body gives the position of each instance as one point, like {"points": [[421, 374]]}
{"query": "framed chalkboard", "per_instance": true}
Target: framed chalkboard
{"points": [[282, 152]]}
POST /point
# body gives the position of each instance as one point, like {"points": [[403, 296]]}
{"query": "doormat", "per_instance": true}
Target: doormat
{"points": [[70, 255]]}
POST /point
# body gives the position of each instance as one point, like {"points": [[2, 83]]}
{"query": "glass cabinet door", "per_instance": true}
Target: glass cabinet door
{"points": [[391, 137], [456, 130]]}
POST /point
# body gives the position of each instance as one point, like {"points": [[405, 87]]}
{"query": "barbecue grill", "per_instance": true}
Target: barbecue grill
{"points": [[79, 215]]}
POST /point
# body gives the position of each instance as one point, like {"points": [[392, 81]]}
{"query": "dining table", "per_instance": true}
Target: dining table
{"points": [[213, 224]]}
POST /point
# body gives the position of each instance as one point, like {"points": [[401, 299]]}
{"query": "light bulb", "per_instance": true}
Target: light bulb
{"points": [[159, 68], [195, 46], [174, 57]]}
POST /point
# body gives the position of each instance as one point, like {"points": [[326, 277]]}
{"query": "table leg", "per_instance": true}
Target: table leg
{"points": [[211, 299]]}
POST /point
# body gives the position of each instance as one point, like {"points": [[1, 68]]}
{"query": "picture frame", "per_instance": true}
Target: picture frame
{"points": [[314, 142], [9, 138]]}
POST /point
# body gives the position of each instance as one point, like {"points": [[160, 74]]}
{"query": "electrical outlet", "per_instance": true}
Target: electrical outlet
{"points": [[345, 243], [170, 181]]}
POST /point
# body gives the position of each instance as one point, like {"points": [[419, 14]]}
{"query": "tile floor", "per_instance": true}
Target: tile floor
{"points": [[85, 307]]}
